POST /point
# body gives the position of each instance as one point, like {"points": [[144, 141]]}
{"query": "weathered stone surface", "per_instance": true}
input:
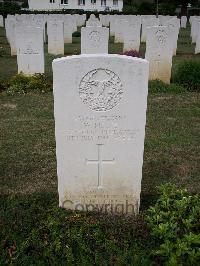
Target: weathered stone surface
{"points": [[94, 40], [100, 118], [159, 53], [55, 31], [30, 50]]}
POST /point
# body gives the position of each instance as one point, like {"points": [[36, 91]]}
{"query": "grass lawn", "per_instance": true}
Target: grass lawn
{"points": [[28, 181]]}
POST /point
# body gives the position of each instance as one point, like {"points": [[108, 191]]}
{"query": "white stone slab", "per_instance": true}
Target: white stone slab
{"points": [[112, 24], [105, 20], [80, 20], [100, 118], [94, 40], [30, 50], [55, 30], [68, 30], [197, 47], [1, 21], [159, 53], [149, 21], [132, 37], [183, 22], [10, 34], [93, 23], [120, 25], [174, 26], [195, 29]]}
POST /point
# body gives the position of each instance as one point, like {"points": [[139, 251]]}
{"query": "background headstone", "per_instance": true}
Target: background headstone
{"points": [[159, 53], [94, 40], [55, 30], [30, 50]]}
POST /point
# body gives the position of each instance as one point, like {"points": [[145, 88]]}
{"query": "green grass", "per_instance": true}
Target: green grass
{"points": [[28, 179]]}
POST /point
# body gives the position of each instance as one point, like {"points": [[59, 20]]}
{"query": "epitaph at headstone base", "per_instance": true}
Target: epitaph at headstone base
{"points": [[100, 118]]}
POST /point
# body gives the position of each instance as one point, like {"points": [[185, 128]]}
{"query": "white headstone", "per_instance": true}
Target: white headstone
{"points": [[105, 20], [10, 34], [120, 25], [93, 23], [39, 21], [30, 50], [112, 24], [132, 37], [94, 40], [159, 53], [68, 30], [100, 118], [80, 20], [149, 21], [195, 29], [197, 47], [1, 21], [183, 22], [55, 30], [174, 26]]}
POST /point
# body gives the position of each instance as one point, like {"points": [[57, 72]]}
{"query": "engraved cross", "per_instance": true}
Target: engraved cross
{"points": [[100, 163]]}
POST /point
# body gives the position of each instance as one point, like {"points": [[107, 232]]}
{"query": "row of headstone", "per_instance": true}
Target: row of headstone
{"points": [[160, 34], [163, 36], [26, 35]]}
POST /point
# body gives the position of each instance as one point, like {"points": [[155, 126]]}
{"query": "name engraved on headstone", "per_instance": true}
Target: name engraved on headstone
{"points": [[29, 49], [97, 129]]}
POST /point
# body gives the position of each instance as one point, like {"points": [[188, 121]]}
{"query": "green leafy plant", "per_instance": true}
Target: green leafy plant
{"points": [[174, 227], [76, 34], [2, 51], [49, 235], [22, 84], [146, 8], [188, 75]]}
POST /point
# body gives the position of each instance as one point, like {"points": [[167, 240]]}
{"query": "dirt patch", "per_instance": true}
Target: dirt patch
{"points": [[162, 98], [9, 105]]}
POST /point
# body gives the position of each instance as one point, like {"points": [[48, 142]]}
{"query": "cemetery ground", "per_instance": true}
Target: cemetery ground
{"points": [[34, 231]]}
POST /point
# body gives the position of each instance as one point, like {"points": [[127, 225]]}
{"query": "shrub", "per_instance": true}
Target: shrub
{"points": [[22, 84], [132, 53], [9, 7], [174, 226], [133, 9], [167, 8], [2, 51], [76, 34], [3, 86], [188, 75], [43, 233], [159, 86], [146, 8]]}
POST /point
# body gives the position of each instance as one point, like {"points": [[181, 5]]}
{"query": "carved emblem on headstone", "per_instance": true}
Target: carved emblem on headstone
{"points": [[95, 37], [161, 36], [101, 89]]}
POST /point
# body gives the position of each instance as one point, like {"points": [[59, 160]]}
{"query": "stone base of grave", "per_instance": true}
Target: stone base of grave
{"points": [[101, 201]]}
